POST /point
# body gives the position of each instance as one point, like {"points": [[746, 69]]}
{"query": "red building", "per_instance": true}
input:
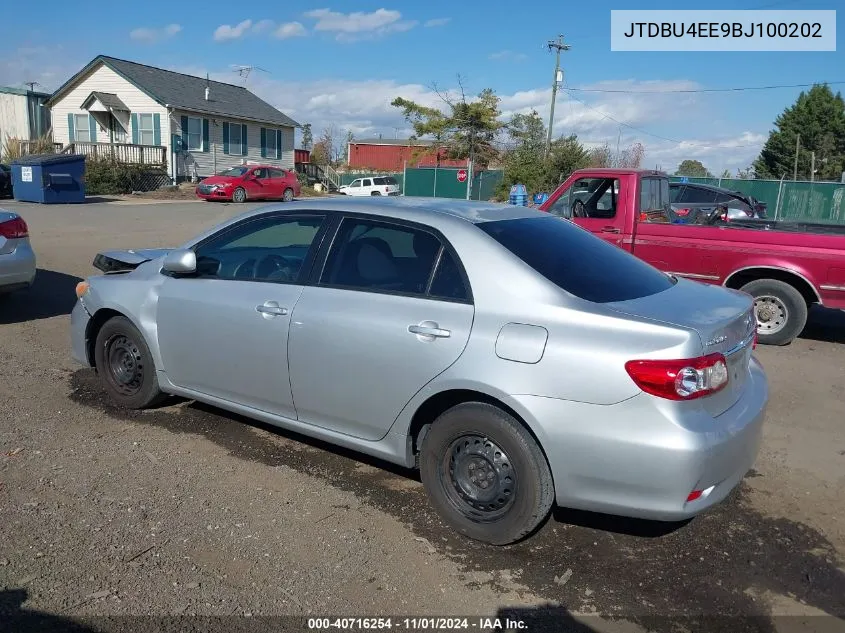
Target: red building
{"points": [[392, 154]]}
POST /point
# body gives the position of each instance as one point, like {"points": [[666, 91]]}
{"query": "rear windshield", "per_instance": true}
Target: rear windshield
{"points": [[387, 180], [578, 262]]}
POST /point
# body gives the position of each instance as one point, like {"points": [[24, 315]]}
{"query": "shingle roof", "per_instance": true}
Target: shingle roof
{"points": [[108, 99], [187, 92]]}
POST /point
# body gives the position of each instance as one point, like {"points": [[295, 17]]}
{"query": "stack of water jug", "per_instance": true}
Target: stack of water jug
{"points": [[519, 195]]}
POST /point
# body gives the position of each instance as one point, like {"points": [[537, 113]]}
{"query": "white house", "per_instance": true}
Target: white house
{"points": [[143, 114], [22, 114]]}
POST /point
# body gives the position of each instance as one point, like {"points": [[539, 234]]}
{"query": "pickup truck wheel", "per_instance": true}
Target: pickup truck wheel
{"points": [[780, 309]]}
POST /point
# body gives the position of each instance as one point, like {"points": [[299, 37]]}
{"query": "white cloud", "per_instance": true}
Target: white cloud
{"points": [[359, 25], [363, 107], [263, 26], [290, 29], [437, 22], [151, 35], [49, 65], [226, 32], [507, 55]]}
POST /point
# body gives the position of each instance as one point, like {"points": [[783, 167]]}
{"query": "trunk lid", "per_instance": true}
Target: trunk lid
{"points": [[724, 320], [124, 261]]}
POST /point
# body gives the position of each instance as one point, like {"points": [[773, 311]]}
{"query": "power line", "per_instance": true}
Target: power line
{"points": [[691, 90]]}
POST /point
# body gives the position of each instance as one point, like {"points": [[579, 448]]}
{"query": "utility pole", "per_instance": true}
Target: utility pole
{"points": [[558, 46], [797, 146], [812, 166]]}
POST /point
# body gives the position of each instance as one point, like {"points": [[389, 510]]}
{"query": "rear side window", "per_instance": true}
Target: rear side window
{"points": [[575, 260]]}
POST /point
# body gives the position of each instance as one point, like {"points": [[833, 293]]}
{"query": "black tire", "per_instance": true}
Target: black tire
{"points": [[375, 193], [239, 195], [287, 196], [125, 365], [519, 477], [780, 309]]}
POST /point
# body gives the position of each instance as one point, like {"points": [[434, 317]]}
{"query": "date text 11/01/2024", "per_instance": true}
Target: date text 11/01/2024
{"points": [[724, 29], [417, 624]]}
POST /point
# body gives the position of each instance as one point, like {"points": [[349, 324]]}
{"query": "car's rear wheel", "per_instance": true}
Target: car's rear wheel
{"points": [[486, 474], [125, 365], [375, 193], [780, 309], [239, 195], [288, 195]]}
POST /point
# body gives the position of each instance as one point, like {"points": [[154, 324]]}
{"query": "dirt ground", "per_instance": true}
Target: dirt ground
{"points": [[189, 510]]}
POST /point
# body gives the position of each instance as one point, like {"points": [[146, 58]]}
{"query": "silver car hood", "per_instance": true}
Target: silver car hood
{"points": [[123, 261]]}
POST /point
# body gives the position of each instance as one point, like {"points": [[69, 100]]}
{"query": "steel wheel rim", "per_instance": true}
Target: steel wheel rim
{"points": [[771, 314], [240, 195], [124, 365], [479, 478]]}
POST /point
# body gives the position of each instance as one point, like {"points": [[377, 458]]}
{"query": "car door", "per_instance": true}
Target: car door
{"points": [[278, 182], [262, 186], [354, 187], [593, 203], [223, 332], [366, 186], [373, 330]]}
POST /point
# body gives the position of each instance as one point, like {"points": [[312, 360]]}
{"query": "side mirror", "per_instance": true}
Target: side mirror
{"points": [[180, 261]]}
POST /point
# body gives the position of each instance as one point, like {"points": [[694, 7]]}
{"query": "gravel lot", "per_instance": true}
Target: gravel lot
{"points": [[190, 510]]}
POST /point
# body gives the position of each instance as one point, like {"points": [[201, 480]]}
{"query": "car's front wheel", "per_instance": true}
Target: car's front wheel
{"points": [[486, 474], [239, 195], [125, 365]]}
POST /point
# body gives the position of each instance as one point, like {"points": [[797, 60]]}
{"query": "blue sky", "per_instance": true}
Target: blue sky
{"points": [[341, 63]]}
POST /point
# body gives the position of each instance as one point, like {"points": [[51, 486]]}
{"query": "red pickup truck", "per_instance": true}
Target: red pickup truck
{"points": [[786, 267]]}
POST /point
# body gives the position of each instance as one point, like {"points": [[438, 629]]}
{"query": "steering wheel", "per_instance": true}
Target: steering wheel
{"points": [[275, 266], [716, 214], [578, 209]]}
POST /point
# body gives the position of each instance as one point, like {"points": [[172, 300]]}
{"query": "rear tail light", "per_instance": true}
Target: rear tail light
{"points": [[14, 228], [684, 379]]}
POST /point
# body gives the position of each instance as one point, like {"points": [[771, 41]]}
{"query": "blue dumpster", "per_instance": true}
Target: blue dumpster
{"points": [[49, 178]]}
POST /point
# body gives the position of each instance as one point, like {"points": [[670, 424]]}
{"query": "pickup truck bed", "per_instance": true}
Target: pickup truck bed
{"points": [[786, 267]]}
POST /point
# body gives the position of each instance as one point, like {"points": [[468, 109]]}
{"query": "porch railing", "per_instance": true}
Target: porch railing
{"points": [[153, 155], [38, 147]]}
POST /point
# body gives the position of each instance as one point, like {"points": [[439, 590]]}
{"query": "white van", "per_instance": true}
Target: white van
{"points": [[371, 186]]}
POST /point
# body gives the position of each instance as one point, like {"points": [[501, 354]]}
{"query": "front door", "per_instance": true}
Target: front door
{"points": [[224, 331], [594, 204], [257, 183], [374, 332]]}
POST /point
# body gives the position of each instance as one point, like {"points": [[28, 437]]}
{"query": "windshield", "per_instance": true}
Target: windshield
{"points": [[576, 261], [234, 171]]}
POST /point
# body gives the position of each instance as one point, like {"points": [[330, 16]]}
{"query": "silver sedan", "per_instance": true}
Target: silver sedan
{"points": [[17, 259], [512, 357]]}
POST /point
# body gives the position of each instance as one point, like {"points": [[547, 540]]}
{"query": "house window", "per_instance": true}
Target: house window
{"points": [[81, 128], [271, 143], [235, 139], [194, 133], [146, 129]]}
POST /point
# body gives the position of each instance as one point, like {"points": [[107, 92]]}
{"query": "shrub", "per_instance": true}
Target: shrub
{"points": [[105, 176]]}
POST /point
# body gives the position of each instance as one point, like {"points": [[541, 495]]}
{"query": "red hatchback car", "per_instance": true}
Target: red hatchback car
{"points": [[250, 182]]}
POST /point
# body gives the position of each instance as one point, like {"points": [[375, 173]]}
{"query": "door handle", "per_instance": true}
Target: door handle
{"points": [[271, 309], [429, 329], [609, 229]]}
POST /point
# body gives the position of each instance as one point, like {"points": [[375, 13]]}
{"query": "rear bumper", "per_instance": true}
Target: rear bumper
{"points": [[17, 268], [642, 458], [79, 319]]}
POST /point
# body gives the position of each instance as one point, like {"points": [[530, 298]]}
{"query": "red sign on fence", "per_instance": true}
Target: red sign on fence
{"points": [[462, 175]]}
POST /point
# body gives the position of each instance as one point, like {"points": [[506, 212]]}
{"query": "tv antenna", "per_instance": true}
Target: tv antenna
{"points": [[32, 85], [244, 71]]}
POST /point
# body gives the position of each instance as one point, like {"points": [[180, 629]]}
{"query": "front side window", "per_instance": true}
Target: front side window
{"points": [[261, 173], [81, 128], [576, 261], [269, 249], [381, 257], [588, 198], [146, 129], [194, 133]]}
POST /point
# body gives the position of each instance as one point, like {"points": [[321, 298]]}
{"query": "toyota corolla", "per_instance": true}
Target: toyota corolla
{"points": [[514, 358]]}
